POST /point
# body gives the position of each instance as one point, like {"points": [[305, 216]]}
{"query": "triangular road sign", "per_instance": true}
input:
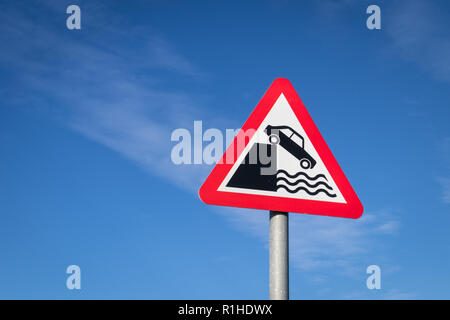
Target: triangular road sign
{"points": [[279, 161]]}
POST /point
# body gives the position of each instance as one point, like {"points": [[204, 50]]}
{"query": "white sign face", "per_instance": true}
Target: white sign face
{"points": [[297, 171]]}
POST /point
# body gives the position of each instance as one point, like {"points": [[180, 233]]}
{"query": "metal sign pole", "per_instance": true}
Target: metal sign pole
{"points": [[279, 256]]}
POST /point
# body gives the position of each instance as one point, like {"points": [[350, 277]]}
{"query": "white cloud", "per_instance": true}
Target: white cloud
{"points": [[317, 242], [445, 183], [390, 294], [444, 180], [107, 90], [420, 32]]}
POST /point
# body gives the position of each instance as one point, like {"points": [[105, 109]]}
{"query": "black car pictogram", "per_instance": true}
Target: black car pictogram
{"points": [[292, 142]]}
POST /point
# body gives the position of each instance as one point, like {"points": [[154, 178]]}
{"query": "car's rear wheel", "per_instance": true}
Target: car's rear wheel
{"points": [[305, 163], [274, 139]]}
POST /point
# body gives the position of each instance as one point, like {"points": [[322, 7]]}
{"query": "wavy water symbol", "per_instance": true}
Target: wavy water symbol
{"points": [[305, 183]]}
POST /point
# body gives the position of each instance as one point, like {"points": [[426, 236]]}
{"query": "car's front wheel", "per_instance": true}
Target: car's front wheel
{"points": [[305, 163]]}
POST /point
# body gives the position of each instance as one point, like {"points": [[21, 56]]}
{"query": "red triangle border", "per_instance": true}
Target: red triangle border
{"points": [[209, 190]]}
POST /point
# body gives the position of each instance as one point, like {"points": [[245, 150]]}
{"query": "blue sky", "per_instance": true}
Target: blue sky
{"points": [[85, 123]]}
